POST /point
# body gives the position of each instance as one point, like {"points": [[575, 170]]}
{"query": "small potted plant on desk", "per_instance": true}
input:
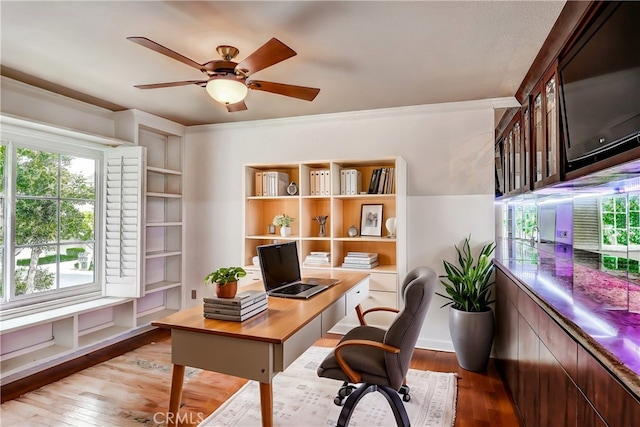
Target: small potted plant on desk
{"points": [[471, 322], [226, 280]]}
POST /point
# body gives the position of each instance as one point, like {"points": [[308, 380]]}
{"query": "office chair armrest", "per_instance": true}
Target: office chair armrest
{"points": [[354, 376], [361, 314]]}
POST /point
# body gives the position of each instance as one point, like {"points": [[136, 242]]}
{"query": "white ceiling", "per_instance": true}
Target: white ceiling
{"points": [[362, 55]]}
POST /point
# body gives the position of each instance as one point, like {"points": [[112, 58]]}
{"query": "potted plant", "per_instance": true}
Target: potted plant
{"points": [[226, 280], [468, 288], [284, 221]]}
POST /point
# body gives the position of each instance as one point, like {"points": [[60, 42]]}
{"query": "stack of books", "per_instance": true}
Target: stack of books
{"points": [[360, 260], [317, 259], [382, 181], [245, 305]]}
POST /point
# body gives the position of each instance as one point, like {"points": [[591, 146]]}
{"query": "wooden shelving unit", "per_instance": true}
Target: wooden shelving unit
{"points": [[343, 210]]}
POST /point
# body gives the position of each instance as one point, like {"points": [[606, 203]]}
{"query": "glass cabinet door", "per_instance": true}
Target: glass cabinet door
{"points": [[517, 157], [551, 127], [526, 148], [545, 130], [538, 136]]}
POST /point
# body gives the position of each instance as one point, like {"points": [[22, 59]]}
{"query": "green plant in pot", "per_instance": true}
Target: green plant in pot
{"points": [[226, 280], [468, 288]]}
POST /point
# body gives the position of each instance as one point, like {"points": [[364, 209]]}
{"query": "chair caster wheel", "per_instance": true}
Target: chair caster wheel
{"points": [[406, 397], [338, 401]]}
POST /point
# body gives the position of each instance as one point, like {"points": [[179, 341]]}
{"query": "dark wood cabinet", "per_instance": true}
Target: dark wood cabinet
{"points": [[553, 379], [513, 156]]}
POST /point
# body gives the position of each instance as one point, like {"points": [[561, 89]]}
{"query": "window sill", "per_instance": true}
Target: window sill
{"points": [[20, 321]]}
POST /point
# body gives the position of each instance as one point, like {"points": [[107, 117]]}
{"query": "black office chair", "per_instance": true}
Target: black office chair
{"points": [[378, 360]]}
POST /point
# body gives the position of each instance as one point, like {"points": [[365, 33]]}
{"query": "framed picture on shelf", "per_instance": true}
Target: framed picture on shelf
{"points": [[371, 220]]}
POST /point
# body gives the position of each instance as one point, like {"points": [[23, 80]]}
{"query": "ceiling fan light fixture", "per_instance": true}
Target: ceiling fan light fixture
{"points": [[226, 91]]}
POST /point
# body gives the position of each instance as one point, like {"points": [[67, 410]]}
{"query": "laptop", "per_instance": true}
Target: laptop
{"points": [[281, 273]]}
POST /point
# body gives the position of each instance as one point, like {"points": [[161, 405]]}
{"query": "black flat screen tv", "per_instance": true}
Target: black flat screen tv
{"points": [[600, 87]]}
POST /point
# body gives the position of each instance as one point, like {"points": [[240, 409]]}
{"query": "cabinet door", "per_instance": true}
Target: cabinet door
{"points": [[528, 399], [506, 340], [526, 146], [545, 130], [558, 394], [499, 168], [611, 400]]}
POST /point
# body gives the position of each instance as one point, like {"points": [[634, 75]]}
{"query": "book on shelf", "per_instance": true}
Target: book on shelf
{"points": [[237, 317], [364, 266], [320, 182], [241, 299], [381, 181], [360, 260], [350, 181], [362, 254], [259, 190], [317, 259], [233, 310]]}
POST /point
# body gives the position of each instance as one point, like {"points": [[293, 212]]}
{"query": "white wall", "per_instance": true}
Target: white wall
{"points": [[449, 154], [22, 100]]}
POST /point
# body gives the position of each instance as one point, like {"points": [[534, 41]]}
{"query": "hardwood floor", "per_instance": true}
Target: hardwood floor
{"points": [[133, 389]]}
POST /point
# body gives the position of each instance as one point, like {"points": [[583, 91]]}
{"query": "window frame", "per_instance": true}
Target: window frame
{"points": [[32, 134], [69, 147]]}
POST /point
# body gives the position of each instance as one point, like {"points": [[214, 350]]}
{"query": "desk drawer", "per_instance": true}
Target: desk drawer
{"points": [[383, 282], [356, 295]]}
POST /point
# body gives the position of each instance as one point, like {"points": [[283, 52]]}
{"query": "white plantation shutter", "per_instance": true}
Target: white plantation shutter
{"points": [[124, 221]]}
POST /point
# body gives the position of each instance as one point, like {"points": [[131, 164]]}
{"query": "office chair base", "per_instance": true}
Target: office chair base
{"points": [[404, 392], [399, 411], [345, 390]]}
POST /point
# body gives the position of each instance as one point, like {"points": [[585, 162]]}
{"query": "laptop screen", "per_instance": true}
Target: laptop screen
{"points": [[279, 264]]}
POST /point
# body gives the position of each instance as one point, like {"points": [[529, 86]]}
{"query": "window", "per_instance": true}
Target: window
{"points": [[48, 196], [620, 221]]}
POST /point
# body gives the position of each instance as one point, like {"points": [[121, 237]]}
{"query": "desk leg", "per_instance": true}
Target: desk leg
{"points": [[266, 404], [176, 393]]}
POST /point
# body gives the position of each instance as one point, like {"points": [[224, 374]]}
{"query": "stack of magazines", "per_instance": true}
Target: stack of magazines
{"points": [[243, 306], [360, 260], [317, 259]]}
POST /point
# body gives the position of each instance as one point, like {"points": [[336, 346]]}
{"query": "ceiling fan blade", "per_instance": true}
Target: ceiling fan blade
{"points": [[150, 44], [171, 84], [238, 106], [268, 54], [301, 92]]}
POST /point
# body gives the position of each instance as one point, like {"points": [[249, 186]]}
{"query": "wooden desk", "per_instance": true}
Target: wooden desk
{"points": [[261, 346]]}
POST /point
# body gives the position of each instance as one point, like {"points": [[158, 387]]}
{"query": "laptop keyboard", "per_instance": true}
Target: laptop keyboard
{"points": [[294, 289]]}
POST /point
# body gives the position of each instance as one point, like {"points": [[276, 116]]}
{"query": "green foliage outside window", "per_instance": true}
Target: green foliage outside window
{"points": [[54, 204]]}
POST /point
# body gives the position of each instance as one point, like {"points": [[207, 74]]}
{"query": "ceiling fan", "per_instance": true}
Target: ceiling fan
{"points": [[227, 81]]}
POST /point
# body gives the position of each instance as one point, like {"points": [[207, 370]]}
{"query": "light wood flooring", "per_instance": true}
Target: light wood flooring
{"points": [[133, 390]]}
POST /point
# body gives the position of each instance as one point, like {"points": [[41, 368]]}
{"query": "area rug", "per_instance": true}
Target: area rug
{"points": [[301, 399]]}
